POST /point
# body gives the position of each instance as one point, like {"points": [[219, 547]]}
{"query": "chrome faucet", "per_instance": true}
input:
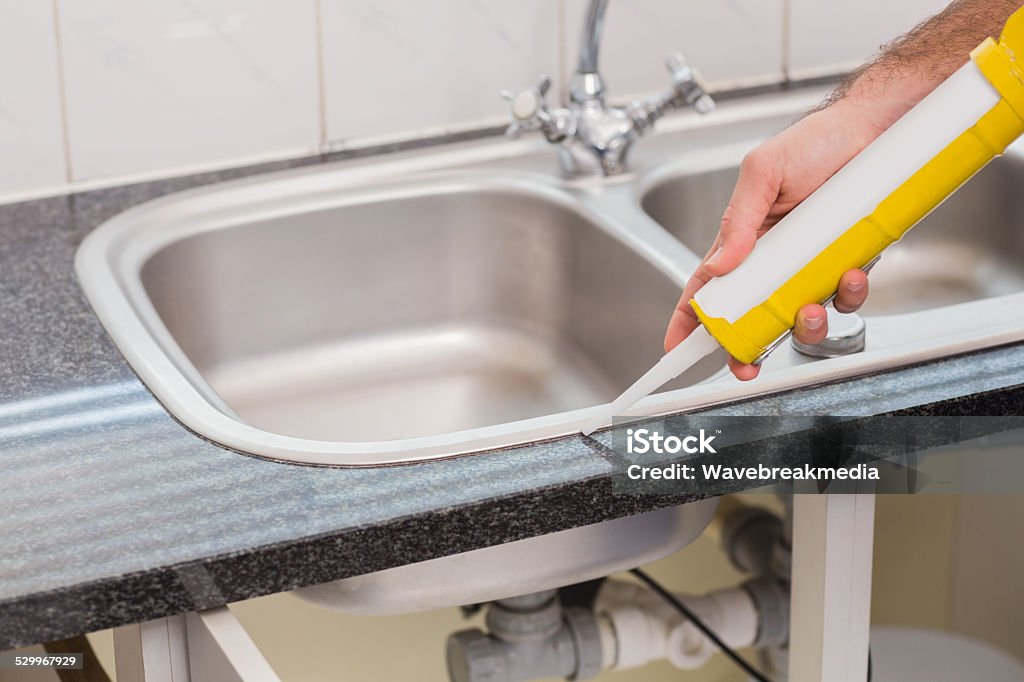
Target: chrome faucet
{"points": [[594, 138]]}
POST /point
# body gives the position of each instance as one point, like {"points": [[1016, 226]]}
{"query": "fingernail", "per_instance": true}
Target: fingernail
{"points": [[715, 256], [814, 323], [855, 286]]}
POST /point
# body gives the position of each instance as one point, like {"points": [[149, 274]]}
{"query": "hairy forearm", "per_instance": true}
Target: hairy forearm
{"points": [[909, 68]]}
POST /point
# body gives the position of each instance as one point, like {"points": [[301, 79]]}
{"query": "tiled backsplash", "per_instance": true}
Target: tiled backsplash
{"points": [[107, 90], [31, 134], [150, 84], [731, 42], [398, 66], [829, 36]]}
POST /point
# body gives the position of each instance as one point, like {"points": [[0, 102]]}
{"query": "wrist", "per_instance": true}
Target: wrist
{"points": [[871, 105], [881, 94], [860, 120]]}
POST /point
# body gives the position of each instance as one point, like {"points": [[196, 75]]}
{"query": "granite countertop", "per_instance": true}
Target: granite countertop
{"points": [[111, 512]]}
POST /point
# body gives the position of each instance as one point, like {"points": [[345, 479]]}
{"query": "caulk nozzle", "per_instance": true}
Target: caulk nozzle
{"points": [[681, 358]]}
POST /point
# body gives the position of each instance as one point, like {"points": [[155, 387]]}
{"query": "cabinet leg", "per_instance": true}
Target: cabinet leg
{"points": [[833, 542], [209, 646], [154, 651]]}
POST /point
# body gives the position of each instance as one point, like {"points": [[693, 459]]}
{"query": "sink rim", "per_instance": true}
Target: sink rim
{"points": [[114, 289]]}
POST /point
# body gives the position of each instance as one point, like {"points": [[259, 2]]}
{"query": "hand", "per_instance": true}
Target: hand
{"points": [[773, 179]]}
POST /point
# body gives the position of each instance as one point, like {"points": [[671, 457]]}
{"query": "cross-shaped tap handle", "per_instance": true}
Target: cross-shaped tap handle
{"points": [[528, 107]]}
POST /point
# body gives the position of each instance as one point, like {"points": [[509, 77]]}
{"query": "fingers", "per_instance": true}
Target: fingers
{"points": [[812, 320], [743, 372], [756, 191], [682, 324], [853, 291], [752, 199], [684, 319], [811, 324]]}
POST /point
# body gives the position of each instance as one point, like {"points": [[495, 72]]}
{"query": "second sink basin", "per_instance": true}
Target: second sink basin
{"points": [[970, 248]]}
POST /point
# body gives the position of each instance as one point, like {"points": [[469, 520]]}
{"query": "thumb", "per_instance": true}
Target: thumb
{"points": [[756, 192]]}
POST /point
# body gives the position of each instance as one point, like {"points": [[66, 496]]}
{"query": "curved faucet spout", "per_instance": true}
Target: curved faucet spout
{"points": [[593, 137], [590, 41]]}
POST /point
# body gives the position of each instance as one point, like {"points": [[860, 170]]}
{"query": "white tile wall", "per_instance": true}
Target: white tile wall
{"points": [[726, 40], [31, 140], [829, 37], [161, 86], [154, 84], [393, 66]]}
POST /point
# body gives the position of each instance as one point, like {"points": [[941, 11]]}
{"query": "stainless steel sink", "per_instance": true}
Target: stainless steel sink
{"points": [[445, 302], [449, 301]]}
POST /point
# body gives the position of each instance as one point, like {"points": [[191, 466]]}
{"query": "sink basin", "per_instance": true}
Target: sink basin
{"points": [[970, 248], [521, 567], [423, 309], [448, 301]]}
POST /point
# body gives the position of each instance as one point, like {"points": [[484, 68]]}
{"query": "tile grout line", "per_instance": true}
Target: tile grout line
{"points": [[787, 37], [320, 76], [62, 91], [562, 48]]}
